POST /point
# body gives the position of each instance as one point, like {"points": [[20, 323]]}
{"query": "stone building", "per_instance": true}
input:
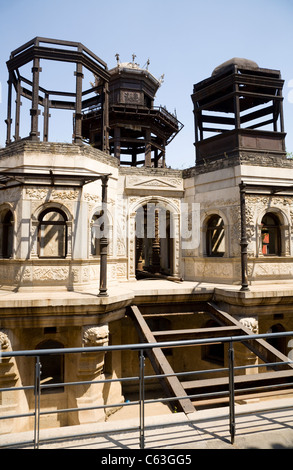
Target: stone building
{"points": [[93, 227]]}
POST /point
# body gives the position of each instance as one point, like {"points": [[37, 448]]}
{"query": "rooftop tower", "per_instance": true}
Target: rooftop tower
{"points": [[239, 109], [138, 131]]}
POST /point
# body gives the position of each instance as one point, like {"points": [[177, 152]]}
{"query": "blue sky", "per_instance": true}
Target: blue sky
{"points": [[184, 40]]}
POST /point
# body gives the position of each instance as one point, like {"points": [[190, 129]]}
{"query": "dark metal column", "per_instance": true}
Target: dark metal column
{"points": [[232, 424], [17, 110], [9, 120], [236, 106], [34, 134], [78, 99], [148, 149], [117, 143], [243, 242], [105, 120], [103, 243], [46, 118]]}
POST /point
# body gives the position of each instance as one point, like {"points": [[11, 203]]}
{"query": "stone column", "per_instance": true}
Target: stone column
{"points": [[90, 367], [243, 355]]}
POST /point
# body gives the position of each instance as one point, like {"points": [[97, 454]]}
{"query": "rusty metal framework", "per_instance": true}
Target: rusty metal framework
{"points": [[232, 108], [137, 128], [227, 326], [63, 51]]}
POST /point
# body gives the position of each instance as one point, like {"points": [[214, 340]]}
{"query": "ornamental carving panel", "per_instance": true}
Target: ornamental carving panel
{"points": [[52, 194]]}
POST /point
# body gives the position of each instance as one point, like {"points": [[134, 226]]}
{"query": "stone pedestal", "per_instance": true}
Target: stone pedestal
{"points": [[243, 355]]}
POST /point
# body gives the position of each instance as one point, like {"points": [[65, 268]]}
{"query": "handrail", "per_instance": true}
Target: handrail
{"points": [[141, 378], [138, 346]]}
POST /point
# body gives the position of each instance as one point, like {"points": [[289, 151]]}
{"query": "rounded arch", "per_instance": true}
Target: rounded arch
{"points": [[52, 233], [276, 211], [51, 206], [208, 214], [271, 230], [154, 252], [215, 236], [7, 224], [159, 200], [36, 233]]}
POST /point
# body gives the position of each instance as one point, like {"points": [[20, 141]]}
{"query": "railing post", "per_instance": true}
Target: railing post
{"points": [[231, 392], [141, 399], [38, 367]]}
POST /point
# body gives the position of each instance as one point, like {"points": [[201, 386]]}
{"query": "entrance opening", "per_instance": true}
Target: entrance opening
{"points": [[52, 371], [280, 343], [154, 244]]}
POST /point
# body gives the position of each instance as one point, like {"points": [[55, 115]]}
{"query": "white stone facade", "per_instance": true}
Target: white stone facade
{"points": [[214, 192]]}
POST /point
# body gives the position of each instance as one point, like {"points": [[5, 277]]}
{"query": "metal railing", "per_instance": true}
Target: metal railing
{"points": [[141, 378]]}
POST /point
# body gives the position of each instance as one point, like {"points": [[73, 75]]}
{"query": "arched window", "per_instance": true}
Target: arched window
{"points": [[215, 236], [52, 371], [271, 235], [96, 233], [6, 234], [52, 234]]}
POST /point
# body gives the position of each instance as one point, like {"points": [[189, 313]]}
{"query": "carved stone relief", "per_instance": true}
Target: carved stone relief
{"points": [[249, 322], [4, 340], [95, 335], [92, 363], [52, 194]]}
